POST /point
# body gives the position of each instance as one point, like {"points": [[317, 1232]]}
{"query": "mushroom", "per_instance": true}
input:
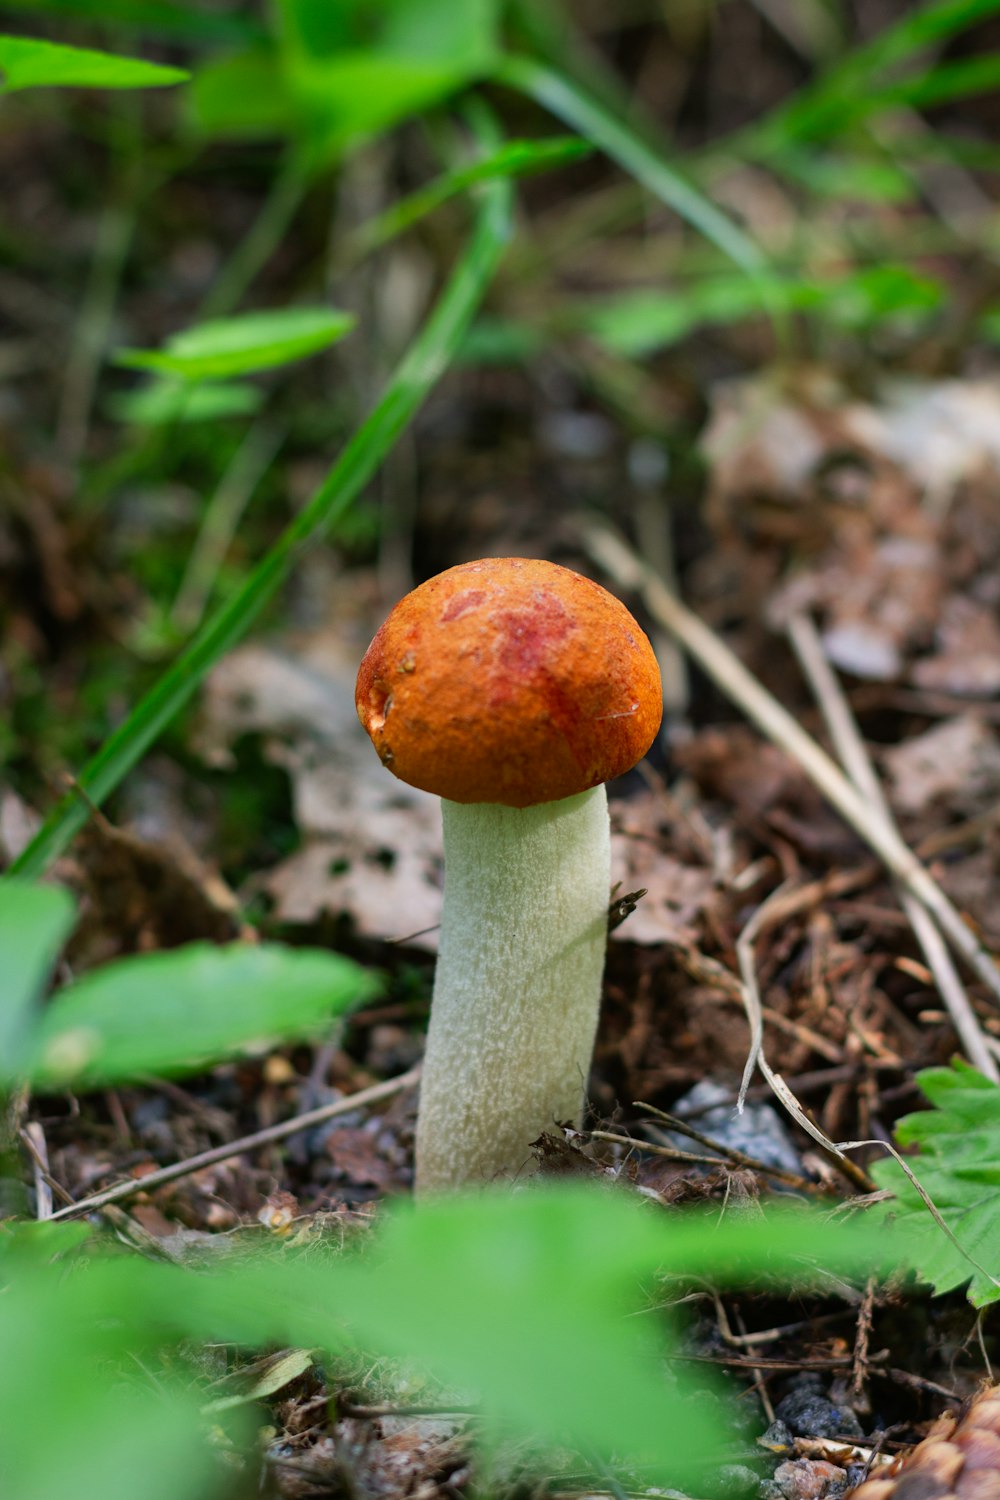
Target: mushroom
{"points": [[514, 689]]}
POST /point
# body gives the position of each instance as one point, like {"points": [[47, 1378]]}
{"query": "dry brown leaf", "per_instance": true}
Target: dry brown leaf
{"points": [[371, 845], [956, 762]]}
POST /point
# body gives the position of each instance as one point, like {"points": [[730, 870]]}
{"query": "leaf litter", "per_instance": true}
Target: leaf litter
{"points": [[849, 1011]]}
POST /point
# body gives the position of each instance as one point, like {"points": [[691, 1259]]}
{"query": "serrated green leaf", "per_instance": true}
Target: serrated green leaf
{"points": [[167, 1013], [35, 920], [958, 1167], [226, 347], [30, 63]]}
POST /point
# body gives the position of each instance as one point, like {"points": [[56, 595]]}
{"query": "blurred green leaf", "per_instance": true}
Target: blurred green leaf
{"points": [[946, 81], [857, 87], [244, 95], [173, 1012], [164, 402], [243, 345], [496, 341], [879, 295], [958, 1166], [506, 1295], [635, 324], [510, 1296], [35, 921], [343, 72], [865, 179], [29, 63], [79, 1413]]}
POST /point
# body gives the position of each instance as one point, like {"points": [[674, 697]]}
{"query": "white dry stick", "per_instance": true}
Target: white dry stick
{"points": [[854, 757], [729, 673], [766, 914]]}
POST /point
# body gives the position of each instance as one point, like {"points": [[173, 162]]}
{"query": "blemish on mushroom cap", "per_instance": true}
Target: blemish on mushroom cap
{"points": [[524, 683]]}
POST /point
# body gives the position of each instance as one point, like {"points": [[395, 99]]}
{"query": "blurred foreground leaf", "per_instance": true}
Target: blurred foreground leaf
{"points": [[34, 922], [538, 1305], [166, 1013]]}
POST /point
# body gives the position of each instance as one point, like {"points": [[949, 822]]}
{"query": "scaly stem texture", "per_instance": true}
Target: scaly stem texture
{"points": [[518, 984]]}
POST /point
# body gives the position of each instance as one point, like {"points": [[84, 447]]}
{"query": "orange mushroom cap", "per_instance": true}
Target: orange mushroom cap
{"points": [[511, 681]]}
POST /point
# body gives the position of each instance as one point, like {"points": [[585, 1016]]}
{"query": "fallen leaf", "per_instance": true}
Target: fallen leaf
{"points": [[957, 762]]}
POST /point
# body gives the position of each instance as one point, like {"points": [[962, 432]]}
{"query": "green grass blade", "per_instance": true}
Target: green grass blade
{"points": [[856, 86], [518, 158], [421, 367], [569, 103]]}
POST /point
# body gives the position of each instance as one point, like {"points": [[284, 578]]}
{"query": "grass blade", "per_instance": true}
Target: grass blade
{"points": [[855, 87], [518, 158], [425, 361], [569, 103]]}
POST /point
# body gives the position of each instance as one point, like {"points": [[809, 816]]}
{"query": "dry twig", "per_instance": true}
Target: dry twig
{"points": [[850, 747], [732, 677]]}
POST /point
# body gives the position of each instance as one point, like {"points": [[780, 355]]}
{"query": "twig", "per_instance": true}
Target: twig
{"points": [[726, 1159], [769, 912], [732, 1155], [764, 710], [279, 1132], [33, 1138], [850, 747]]}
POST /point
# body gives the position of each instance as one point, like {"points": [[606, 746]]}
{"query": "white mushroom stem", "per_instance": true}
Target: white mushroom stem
{"points": [[518, 984]]}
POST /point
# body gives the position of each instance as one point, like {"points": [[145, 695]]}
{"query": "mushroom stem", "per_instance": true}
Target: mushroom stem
{"points": [[518, 984]]}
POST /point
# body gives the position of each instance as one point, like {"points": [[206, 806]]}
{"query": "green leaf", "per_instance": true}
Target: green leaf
{"points": [[884, 294], [179, 1011], [348, 70], [496, 341], [542, 1305], [35, 920], [29, 63], [85, 1346], [510, 1295], [853, 88], [244, 96], [242, 345], [430, 354], [958, 1166], [163, 402]]}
